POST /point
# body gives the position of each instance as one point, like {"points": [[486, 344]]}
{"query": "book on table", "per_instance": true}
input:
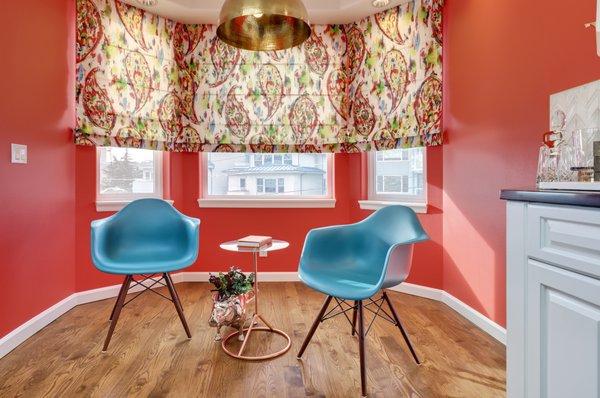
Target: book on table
{"points": [[254, 241]]}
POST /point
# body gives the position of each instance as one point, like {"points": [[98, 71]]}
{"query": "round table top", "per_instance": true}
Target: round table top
{"points": [[232, 246]]}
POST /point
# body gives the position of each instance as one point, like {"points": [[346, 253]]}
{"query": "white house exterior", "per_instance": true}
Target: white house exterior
{"points": [[399, 172], [267, 174], [144, 184]]}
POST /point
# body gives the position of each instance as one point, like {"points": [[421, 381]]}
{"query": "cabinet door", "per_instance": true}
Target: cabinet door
{"points": [[563, 332]]}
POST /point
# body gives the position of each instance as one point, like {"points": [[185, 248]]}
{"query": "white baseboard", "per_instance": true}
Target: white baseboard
{"points": [[37, 323], [473, 316], [418, 290]]}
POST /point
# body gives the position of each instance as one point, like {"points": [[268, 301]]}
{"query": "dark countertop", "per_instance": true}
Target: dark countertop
{"points": [[570, 198]]}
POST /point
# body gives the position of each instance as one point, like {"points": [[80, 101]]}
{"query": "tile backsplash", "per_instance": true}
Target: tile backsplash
{"points": [[576, 108]]}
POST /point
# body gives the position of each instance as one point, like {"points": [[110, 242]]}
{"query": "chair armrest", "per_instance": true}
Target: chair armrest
{"points": [[99, 230], [192, 230], [192, 225]]}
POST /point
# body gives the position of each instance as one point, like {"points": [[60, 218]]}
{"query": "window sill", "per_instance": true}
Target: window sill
{"points": [[116, 205], [420, 208], [267, 203]]}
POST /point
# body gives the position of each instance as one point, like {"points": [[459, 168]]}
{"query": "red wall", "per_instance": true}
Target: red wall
{"points": [[37, 199], [220, 225], [502, 59]]}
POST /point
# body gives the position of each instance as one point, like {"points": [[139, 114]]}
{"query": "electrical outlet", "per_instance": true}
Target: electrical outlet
{"points": [[18, 153]]}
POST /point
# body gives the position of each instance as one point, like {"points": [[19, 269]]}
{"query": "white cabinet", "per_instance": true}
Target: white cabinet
{"points": [[553, 299]]}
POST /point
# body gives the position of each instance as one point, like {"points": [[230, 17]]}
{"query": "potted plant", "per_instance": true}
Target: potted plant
{"points": [[232, 291]]}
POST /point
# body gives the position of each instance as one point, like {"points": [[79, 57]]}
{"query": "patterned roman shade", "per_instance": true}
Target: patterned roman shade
{"points": [[146, 81]]}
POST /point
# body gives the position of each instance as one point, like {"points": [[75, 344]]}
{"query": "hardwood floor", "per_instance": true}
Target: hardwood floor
{"points": [[150, 356]]}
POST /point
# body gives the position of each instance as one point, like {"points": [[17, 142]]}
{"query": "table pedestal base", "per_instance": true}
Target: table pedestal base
{"points": [[247, 332]]}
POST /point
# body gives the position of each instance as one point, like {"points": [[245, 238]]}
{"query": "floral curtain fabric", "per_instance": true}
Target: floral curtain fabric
{"points": [[146, 81]]}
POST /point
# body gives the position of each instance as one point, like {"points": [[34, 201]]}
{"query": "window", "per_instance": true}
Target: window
{"points": [[392, 184], [397, 176], [126, 174], [260, 185], [267, 180], [270, 185], [272, 159]]}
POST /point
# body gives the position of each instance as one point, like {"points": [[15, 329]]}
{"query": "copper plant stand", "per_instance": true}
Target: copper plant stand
{"points": [[256, 318]]}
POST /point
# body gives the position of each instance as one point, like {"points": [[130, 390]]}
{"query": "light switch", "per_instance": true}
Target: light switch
{"points": [[18, 153]]}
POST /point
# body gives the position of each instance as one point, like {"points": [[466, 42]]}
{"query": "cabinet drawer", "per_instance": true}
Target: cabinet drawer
{"points": [[568, 237]]}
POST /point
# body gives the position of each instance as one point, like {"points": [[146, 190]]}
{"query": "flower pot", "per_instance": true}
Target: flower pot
{"points": [[230, 312]]}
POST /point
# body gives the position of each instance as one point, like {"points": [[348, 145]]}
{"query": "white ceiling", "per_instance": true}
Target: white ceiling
{"points": [[320, 11]]}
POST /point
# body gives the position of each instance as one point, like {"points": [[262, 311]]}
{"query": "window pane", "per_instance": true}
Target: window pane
{"points": [[126, 171], [270, 185], [302, 174], [379, 183], [399, 172], [260, 185]]}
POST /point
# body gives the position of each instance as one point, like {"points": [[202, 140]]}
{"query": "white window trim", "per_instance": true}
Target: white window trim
{"points": [[115, 202], [377, 201], [106, 205], [264, 203], [268, 201], [420, 208]]}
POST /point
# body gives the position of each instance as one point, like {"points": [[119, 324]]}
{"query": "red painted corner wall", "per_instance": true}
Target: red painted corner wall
{"points": [[502, 59], [37, 217]]}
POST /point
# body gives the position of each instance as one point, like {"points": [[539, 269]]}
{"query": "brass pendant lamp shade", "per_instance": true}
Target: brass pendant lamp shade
{"points": [[263, 25]]}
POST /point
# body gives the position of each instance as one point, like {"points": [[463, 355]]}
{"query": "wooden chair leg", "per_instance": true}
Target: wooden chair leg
{"points": [[177, 303], [112, 314], [404, 334], [354, 312], [361, 349], [314, 326], [117, 310]]}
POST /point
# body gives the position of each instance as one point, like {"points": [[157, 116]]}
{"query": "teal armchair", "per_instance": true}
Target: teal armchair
{"points": [[148, 237], [354, 262]]}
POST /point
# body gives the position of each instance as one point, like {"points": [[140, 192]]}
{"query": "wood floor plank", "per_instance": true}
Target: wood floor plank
{"points": [[150, 355]]}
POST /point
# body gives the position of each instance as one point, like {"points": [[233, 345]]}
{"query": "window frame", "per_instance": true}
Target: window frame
{"points": [[115, 202], [376, 200], [266, 200]]}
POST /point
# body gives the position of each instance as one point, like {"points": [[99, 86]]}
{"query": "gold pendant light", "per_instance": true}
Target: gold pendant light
{"points": [[263, 25]]}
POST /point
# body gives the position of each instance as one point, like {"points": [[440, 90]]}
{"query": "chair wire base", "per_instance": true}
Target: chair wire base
{"points": [[129, 283], [376, 308]]}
